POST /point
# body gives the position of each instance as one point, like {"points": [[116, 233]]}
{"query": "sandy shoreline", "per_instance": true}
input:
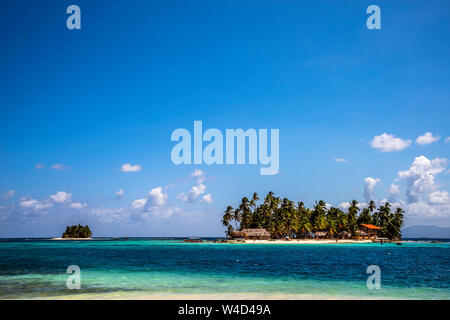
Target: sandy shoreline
{"points": [[229, 241], [201, 296], [71, 239], [306, 241]]}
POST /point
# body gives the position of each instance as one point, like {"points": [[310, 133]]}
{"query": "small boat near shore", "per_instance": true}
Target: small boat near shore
{"points": [[193, 240]]}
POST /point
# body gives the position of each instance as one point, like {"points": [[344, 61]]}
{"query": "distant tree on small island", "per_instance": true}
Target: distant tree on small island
{"points": [[77, 231], [284, 218]]}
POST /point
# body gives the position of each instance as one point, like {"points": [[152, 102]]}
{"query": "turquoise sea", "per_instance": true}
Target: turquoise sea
{"points": [[169, 267]]}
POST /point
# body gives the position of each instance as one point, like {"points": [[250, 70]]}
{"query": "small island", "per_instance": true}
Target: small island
{"points": [[76, 232], [281, 220]]}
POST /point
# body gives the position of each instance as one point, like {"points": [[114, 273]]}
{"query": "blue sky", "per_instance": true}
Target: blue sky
{"points": [[112, 93]]}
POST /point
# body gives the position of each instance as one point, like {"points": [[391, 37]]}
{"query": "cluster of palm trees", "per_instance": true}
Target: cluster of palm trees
{"points": [[284, 218]]}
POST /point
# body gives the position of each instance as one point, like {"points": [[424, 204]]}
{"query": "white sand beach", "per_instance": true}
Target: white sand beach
{"points": [[202, 296], [71, 239], [307, 241]]}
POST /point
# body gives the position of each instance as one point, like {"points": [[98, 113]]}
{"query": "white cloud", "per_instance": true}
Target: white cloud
{"points": [[157, 197], [197, 190], [439, 197], [388, 143], [119, 194], [62, 197], [394, 189], [39, 166], [78, 205], [59, 167], [424, 210], [420, 177], [370, 184], [8, 194], [127, 167], [30, 203], [139, 203], [340, 160], [447, 140], [198, 175], [344, 205], [427, 138], [207, 198], [193, 194]]}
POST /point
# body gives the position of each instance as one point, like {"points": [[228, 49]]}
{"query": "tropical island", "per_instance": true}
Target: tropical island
{"points": [[77, 232], [283, 219]]}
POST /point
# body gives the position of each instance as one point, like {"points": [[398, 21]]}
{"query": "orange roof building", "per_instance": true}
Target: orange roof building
{"points": [[371, 226]]}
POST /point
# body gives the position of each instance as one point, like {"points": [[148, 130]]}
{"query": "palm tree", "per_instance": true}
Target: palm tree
{"points": [[384, 216], [246, 215], [304, 219], [282, 218], [396, 224], [371, 206], [351, 217], [365, 217], [227, 217]]}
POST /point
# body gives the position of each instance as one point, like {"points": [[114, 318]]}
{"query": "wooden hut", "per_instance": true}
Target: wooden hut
{"points": [[344, 235], [371, 230], [320, 235], [251, 234], [361, 235]]}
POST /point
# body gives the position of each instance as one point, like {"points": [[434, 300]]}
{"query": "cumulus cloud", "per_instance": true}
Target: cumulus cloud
{"points": [[78, 205], [127, 167], [388, 143], [193, 194], [340, 160], [198, 175], [369, 186], [420, 177], [59, 167], [8, 194], [139, 203], [426, 138], [30, 203], [207, 198], [62, 197], [344, 205], [157, 197], [439, 197], [424, 199]]}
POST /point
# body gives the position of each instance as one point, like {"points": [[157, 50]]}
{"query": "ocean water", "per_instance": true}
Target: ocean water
{"points": [[167, 268]]}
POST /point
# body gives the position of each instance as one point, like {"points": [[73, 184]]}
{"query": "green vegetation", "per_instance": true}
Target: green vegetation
{"points": [[77, 231], [283, 218]]}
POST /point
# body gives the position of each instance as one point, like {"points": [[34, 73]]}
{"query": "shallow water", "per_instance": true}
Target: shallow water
{"points": [[37, 269]]}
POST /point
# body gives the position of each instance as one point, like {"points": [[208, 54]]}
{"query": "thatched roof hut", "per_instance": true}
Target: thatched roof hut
{"points": [[344, 235], [254, 234], [320, 234], [237, 234], [361, 233]]}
